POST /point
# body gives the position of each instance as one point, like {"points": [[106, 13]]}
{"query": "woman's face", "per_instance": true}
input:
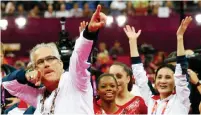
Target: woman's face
{"points": [[107, 88], [121, 76], [165, 81]]}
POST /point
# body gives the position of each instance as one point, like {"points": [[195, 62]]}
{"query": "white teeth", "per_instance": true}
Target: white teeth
{"points": [[163, 86], [109, 94]]}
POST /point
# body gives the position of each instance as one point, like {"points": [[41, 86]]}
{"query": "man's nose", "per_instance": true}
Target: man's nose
{"points": [[46, 64]]}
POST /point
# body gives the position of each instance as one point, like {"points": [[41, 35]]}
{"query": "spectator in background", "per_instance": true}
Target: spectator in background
{"points": [[155, 9], [19, 65], [3, 7], [5, 70], [141, 7], [76, 11], [170, 5], [102, 48], [87, 12], [103, 62], [21, 11], [63, 12], [117, 7], [103, 58], [105, 10], [50, 12], [116, 49], [10, 9], [130, 9], [34, 13], [198, 7]]}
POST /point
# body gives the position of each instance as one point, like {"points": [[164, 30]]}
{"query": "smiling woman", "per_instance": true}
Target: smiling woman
{"points": [[171, 83], [107, 90]]}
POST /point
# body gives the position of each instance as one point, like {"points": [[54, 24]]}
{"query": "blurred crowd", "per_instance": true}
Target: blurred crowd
{"points": [[69, 8]]}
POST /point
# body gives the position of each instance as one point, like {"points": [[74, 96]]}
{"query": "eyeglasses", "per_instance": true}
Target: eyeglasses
{"points": [[48, 59]]}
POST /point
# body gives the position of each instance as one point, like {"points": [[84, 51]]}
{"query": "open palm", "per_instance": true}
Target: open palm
{"points": [[130, 32], [183, 26]]}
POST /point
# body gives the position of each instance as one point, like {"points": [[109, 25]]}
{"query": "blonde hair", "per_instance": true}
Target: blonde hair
{"points": [[2, 48], [51, 45]]}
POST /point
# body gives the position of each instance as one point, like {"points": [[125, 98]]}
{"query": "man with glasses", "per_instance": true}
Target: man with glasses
{"points": [[63, 92]]}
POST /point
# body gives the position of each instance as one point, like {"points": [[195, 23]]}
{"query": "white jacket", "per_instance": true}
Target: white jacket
{"points": [[178, 103], [75, 95]]}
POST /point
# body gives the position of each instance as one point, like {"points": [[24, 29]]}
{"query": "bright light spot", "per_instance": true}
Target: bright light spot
{"points": [[21, 22], [3, 24], [121, 20], [109, 21], [198, 18]]}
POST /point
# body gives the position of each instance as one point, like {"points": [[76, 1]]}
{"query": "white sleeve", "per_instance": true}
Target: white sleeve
{"points": [[182, 90], [141, 81], [78, 63], [22, 91]]}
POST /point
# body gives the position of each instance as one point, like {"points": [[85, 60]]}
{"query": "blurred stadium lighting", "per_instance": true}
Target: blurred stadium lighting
{"points": [[121, 20], [21, 22], [3, 24], [109, 21], [198, 18]]}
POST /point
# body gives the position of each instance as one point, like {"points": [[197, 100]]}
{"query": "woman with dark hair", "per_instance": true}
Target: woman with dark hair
{"points": [[125, 99], [107, 90], [171, 83]]}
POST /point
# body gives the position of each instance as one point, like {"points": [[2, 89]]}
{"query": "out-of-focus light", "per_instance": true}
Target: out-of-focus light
{"points": [[21, 22], [121, 20], [109, 21], [3, 24], [198, 18]]}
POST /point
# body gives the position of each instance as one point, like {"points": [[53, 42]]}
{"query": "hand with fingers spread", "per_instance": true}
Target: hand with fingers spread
{"points": [[132, 36], [97, 21], [180, 33], [130, 32], [34, 76], [183, 26], [82, 26]]}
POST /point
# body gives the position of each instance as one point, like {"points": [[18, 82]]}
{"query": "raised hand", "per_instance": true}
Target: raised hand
{"points": [[132, 36], [97, 21], [180, 33], [82, 26], [34, 76], [183, 26], [130, 32]]}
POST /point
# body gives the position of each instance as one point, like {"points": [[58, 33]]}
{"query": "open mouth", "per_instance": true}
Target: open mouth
{"points": [[163, 86]]}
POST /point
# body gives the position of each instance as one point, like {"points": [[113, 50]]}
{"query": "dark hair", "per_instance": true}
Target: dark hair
{"points": [[129, 73], [105, 75], [170, 66]]}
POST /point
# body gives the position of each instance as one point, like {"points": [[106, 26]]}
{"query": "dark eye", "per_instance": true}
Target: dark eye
{"points": [[40, 61], [112, 86], [119, 76], [50, 58], [103, 86], [159, 77], [167, 76]]}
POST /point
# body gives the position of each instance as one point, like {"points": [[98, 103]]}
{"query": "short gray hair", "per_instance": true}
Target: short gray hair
{"points": [[51, 45]]}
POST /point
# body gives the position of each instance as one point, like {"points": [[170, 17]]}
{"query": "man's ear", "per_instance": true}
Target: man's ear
{"points": [[62, 65]]}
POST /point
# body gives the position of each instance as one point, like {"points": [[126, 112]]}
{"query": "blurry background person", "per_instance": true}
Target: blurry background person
{"points": [[76, 11], [50, 13], [63, 12], [116, 49]]}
